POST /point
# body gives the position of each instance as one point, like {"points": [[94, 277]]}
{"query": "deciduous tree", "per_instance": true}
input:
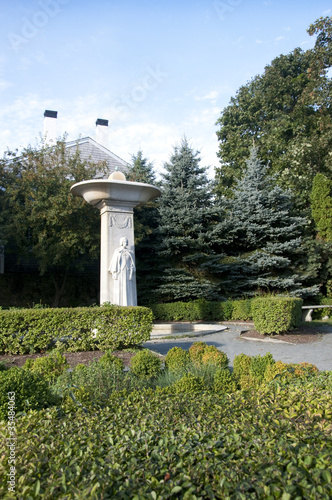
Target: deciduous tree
{"points": [[40, 219]]}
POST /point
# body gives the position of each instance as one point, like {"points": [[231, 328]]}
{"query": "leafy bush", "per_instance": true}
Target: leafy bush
{"points": [[93, 385], [274, 315], [50, 367], [109, 359], [189, 383], [224, 381], [145, 364], [201, 353], [241, 365], [81, 329], [242, 310], [196, 351], [3, 366], [259, 365], [270, 443], [249, 371], [177, 359], [289, 371], [30, 389], [215, 357]]}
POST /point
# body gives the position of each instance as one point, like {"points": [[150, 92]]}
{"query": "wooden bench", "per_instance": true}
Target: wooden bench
{"points": [[307, 311]]}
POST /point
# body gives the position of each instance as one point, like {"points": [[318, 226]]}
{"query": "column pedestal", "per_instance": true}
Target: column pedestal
{"points": [[117, 221]]}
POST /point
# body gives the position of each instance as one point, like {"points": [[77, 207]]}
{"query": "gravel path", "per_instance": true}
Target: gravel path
{"points": [[319, 353]]}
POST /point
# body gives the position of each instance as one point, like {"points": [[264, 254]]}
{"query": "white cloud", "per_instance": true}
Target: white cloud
{"points": [[279, 38]]}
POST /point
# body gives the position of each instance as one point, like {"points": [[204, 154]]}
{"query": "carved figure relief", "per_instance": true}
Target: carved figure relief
{"points": [[122, 268]]}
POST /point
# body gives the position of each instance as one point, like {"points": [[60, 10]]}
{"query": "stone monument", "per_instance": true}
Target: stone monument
{"points": [[116, 199]]}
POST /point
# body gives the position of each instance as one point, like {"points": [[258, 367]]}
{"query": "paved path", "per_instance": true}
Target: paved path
{"points": [[319, 353]]}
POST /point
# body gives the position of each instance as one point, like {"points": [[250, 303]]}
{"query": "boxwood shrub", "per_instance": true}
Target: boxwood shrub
{"points": [[31, 391], [270, 443], [81, 329], [274, 315], [193, 311]]}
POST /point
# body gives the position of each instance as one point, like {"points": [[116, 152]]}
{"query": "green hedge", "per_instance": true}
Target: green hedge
{"points": [[81, 329], [271, 443], [274, 315], [203, 310]]}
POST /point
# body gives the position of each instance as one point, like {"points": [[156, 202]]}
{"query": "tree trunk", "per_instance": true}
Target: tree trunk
{"points": [[59, 281]]}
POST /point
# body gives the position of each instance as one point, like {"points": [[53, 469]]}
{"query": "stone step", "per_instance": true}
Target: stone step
{"points": [[181, 329]]}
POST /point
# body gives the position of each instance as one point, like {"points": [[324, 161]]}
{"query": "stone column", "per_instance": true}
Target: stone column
{"points": [[117, 221]]}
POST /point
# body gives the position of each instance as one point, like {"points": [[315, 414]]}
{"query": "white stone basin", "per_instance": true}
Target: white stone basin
{"points": [[94, 191]]}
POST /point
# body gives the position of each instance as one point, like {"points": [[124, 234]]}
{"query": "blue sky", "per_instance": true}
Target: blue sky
{"points": [[157, 70]]}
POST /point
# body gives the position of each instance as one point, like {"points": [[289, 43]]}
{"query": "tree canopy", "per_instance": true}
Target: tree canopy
{"points": [[40, 219], [287, 113]]}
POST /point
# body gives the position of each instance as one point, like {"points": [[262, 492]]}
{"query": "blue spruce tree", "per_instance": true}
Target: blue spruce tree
{"points": [[261, 237], [185, 212]]}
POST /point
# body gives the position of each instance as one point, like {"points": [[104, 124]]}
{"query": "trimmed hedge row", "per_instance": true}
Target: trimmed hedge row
{"points": [[273, 315], [80, 329], [201, 310]]}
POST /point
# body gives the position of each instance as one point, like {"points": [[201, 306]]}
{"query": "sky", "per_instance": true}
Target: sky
{"points": [[158, 70]]}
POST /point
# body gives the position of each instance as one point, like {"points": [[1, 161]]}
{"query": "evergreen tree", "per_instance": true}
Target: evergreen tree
{"points": [[185, 211], [141, 170], [146, 219], [263, 237]]}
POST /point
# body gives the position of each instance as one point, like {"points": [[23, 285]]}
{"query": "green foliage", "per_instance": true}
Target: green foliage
{"points": [[196, 351], [50, 367], [185, 212], [270, 443], [189, 383], [58, 230], [258, 366], [241, 365], [280, 371], [145, 364], [193, 311], [93, 385], [224, 381], [286, 112], [177, 359], [264, 237], [31, 391], [81, 329], [3, 366], [241, 310], [141, 170], [149, 266], [274, 315], [212, 356], [321, 206], [109, 359]]}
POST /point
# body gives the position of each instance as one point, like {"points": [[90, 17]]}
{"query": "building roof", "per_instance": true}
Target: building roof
{"points": [[91, 150]]}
